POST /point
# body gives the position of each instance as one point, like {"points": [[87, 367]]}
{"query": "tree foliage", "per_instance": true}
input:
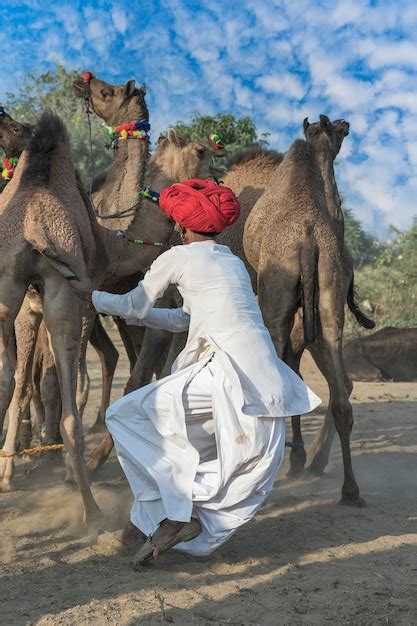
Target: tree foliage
{"points": [[390, 283], [53, 90], [235, 133], [363, 247]]}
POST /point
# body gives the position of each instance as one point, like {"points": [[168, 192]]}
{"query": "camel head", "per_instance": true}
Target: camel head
{"points": [[184, 158], [326, 135], [14, 136], [115, 104]]}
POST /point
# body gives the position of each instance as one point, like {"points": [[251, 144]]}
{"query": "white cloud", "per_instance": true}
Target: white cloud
{"points": [[285, 83], [278, 61], [119, 20]]}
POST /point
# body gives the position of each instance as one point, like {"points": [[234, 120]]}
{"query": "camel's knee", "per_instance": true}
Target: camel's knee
{"points": [[343, 417], [70, 429]]}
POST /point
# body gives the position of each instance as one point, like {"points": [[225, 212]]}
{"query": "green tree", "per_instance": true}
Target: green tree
{"points": [[390, 284], [53, 90], [363, 247], [235, 133]]}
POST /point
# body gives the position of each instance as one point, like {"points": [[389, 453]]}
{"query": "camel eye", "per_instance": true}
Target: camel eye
{"points": [[200, 151], [15, 130], [106, 93]]}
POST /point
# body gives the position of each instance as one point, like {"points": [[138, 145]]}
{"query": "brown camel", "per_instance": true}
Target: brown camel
{"points": [[175, 159], [14, 137], [388, 354], [49, 194], [44, 226], [291, 241]]}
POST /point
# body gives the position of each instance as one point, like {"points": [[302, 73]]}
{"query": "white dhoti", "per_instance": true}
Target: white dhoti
{"points": [[211, 462]]}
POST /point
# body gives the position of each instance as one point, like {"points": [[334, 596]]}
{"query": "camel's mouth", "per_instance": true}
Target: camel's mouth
{"points": [[79, 87]]}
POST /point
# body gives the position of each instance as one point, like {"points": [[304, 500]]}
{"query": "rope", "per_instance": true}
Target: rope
{"points": [[88, 112], [146, 193], [52, 446], [293, 445]]}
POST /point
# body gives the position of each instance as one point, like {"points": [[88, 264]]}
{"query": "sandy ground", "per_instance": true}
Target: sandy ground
{"points": [[304, 560]]}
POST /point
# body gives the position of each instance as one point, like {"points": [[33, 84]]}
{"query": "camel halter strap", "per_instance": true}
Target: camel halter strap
{"points": [[87, 78], [146, 193], [138, 129], [9, 165]]}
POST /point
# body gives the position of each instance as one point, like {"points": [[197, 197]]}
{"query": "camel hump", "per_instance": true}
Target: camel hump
{"points": [[48, 134]]}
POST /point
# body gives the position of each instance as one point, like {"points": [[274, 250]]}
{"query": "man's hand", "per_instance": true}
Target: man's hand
{"points": [[83, 289]]}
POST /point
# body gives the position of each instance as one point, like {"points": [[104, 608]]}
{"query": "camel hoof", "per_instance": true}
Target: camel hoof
{"points": [[355, 501], [297, 463], [69, 478], [316, 470], [94, 519], [295, 471], [7, 486]]}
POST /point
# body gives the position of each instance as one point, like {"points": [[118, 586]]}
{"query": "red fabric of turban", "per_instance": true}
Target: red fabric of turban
{"points": [[200, 205]]}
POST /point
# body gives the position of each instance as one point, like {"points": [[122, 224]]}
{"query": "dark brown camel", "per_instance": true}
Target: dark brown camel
{"points": [[291, 241], [388, 354]]}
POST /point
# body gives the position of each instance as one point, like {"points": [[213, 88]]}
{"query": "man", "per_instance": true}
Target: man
{"points": [[201, 447]]}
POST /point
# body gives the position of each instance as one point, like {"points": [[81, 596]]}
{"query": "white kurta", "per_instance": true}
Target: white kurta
{"points": [[159, 429]]}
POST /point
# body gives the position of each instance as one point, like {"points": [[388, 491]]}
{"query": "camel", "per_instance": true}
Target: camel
{"points": [[14, 137], [44, 226], [293, 240], [388, 354], [46, 193]]}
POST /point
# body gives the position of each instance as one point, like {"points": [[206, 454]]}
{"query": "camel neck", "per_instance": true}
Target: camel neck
{"points": [[149, 224], [124, 180], [325, 163]]}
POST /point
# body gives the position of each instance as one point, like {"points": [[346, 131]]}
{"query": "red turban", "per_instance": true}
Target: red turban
{"points": [[200, 205]]}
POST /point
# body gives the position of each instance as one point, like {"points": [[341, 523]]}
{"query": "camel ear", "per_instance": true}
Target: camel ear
{"points": [[161, 139], [306, 124], [130, 88], [173, 137], [325, 123], [142, 88]]}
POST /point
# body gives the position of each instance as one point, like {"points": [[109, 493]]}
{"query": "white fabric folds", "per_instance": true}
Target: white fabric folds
{"points": [[209, 439]]}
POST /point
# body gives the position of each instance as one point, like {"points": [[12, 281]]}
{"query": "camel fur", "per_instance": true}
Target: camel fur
{"points": [[389, 354], [291, 241]]}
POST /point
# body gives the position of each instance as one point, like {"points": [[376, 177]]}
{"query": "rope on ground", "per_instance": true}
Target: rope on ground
{"points": [[52, 446]]}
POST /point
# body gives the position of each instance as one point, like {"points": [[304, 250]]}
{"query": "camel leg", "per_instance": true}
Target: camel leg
{"points": [[298, 454], [46, 399], [278, 295], [155, 347], [177, 345], [108, 356], [331, 363], [26, 331], [51, 400], [129, 342], [62, 314], [12, 295], [149, 359], [319, 449]]}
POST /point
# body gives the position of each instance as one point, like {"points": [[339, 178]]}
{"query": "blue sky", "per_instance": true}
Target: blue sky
{"points": [[276, 60]]}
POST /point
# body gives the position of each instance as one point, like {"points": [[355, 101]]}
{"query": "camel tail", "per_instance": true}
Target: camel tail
{"points": [[354, 308], [308, 261], [48, 134]]}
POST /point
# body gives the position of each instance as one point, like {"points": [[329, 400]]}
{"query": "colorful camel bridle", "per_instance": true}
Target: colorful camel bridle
{"points": [[9, 163]]}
